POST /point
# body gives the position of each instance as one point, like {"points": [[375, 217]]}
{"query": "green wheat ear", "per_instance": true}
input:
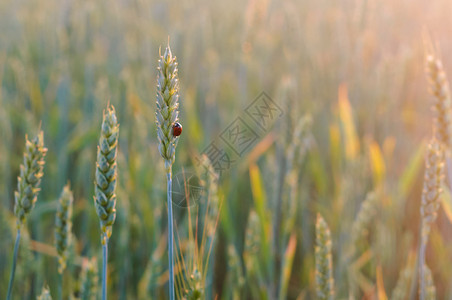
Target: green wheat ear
{"points": [[29, 180], [63, 226], [106, 173], [167, 112], [89, 280], [323, 262]]}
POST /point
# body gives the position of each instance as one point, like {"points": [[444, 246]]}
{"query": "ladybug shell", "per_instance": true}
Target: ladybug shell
{"points": [[177, 129]]}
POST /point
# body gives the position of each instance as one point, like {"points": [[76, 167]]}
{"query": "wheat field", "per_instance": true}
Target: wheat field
{"points": [[314, 160]]}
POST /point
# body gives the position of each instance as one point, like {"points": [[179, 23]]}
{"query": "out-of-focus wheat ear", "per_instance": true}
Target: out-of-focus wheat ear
{"points": [[430, 290], [106, 173], [235, 271], [195, 289], [364, 217], [430, 201], [433, 179], [45, 294], [252, 243], [210, 188], [89, 280], [63, 227], [323, 261], [439, 87], [29, 180], [402, 287]]}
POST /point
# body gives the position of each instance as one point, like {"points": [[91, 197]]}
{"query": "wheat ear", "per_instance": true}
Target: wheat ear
{"points": [[63, 226], [88, 280], [323, 261], [28, 183], [433, 177], [167, 114], [105, 184], [439, 87]]}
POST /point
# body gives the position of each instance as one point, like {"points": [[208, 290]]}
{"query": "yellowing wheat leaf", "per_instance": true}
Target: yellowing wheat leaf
{"points": [[346, 115]]}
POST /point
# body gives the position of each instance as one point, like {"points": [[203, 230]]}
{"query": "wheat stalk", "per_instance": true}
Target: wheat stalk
{"points": [[323, 261], [167, 114], [433, 177], [105, 184], [28, 183]]}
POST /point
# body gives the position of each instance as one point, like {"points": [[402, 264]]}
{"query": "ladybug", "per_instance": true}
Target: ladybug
{"points": [[177, 129]]}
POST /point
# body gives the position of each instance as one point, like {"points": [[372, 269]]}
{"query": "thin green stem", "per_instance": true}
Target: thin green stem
{"points": [[13, 269], [60, 286], [170, 236], [104, 268]]}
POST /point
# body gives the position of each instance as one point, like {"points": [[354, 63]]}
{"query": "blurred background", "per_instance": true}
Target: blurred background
{"points": [[354, 70]]}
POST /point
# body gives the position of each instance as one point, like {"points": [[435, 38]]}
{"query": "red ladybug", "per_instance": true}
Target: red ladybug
{"points": [[177, 129]]}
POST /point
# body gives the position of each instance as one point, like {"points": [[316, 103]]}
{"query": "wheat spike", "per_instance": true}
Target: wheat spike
{"points": [[401, 289], [430, 290], [433, 178], [106, 173], [63, 226], [31, 172], [89, 280], [252, 242], [323, 261], [439, 87], [365, 215], [167, 111]]}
